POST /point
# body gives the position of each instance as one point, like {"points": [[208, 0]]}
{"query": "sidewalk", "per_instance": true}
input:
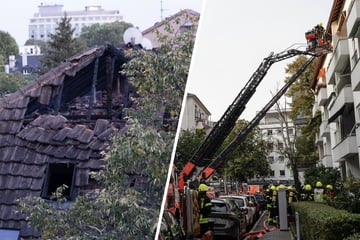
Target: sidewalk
{"points": [[271, 232]]}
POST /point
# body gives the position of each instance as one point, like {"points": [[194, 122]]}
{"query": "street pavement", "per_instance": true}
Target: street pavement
{"points": [[264, 232]]}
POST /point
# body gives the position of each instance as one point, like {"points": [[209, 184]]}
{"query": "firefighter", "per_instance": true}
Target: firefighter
{"points": [[319, 192], [329, 193], [267, 196], [204, 209], [274, 206], [308, 194], [292, 197]]}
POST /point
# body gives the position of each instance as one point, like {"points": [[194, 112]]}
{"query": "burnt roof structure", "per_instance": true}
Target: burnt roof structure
{"points": [[53, 130]]}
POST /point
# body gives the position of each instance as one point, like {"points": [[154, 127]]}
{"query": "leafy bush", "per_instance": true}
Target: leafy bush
{"points": [[355, 236], [323, 222], [349, 196]]}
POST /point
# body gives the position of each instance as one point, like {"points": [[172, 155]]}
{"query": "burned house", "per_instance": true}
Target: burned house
{"points": [[52, 131]]}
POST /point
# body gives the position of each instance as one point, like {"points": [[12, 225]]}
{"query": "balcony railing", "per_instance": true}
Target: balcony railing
{"points": [[347, 148], [353, 20], [339, 60]]}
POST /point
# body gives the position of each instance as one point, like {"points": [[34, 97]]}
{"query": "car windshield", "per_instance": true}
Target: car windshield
{"points": [[218, 207], [239, 202]]}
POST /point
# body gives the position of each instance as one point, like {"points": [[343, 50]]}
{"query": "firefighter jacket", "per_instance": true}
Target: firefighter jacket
{"points": [[204, 208]]}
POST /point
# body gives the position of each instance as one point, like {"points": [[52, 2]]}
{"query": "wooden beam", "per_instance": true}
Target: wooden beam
{"points": [[93, 88]]}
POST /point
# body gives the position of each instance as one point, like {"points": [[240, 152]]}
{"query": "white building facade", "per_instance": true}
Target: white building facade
{"points": [[274, 130], [45, 21], [195, 115], [336, 84]]}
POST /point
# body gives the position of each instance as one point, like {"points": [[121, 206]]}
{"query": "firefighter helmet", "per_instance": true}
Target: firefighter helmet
{"points": [[273, 187], [329, 186], [203, 188], [307, 187], [318, 184]]}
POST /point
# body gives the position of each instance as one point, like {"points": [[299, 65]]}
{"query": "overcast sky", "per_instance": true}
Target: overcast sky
{"points": [[233, 39], [15, 15]]}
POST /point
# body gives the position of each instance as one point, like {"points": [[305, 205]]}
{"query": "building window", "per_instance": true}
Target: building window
{"points": [[272, 173], [59, 174], [269, 132], [280, 145], [282, 173], [270, 159], [270, 146], [281, 158], [291, 131]]}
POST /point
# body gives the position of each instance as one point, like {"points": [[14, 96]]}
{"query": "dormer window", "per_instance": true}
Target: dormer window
{"points": [[59, 174]]}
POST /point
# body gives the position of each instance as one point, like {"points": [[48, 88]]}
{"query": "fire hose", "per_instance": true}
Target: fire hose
{"points": [[258, 233]]}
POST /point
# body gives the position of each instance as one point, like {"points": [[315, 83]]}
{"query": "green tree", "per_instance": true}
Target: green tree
{"points": [[100, 34], [61, 45], [302, 150], [187, 144], [249, 158], [118, 211], [12, 82], [326, 175], [300, 92], [42, 44], [8, 47]]}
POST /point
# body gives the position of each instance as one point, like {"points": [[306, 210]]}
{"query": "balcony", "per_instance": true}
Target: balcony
{"points": [[347, 148], [345, 96], [324, 129], [318, 140], [327, 161], [339, 60], [322, 96], [355, 77], [353, 19]]}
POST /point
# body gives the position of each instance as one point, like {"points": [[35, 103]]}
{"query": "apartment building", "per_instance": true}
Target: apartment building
{"points": [[274, 129], [45, 21], [196, 115], [181, 21], [336, 84]]}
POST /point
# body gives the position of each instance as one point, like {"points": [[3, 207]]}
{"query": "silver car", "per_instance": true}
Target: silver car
{"points": [[247, 207]]}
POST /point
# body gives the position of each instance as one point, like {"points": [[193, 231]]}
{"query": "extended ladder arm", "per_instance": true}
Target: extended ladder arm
{"points": [[221, 157], [223, 127]]}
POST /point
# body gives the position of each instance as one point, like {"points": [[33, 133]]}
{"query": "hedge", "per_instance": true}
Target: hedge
{"points": [[323, 222]]}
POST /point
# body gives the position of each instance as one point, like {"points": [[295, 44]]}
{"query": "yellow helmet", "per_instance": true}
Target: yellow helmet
{"points": [[308, 187], [318, 184], [273, 187], [289, 188], [203, 188], [282, 186], [329, 186]]}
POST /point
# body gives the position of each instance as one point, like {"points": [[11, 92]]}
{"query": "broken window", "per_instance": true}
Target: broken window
{"points": [[59, 174]]}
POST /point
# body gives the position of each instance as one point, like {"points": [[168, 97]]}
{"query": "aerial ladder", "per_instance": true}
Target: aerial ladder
{"points": [[223, 127], [202, 164]]}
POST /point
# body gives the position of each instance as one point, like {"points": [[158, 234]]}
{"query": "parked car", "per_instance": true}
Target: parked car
{"points": [[261, 200], [170, 227], [239, 212], [226, 224], [252, 199], [248, 208]]}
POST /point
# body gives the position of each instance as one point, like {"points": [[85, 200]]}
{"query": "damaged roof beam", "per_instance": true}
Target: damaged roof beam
{"points": [[110, 63], [93, 89]]}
